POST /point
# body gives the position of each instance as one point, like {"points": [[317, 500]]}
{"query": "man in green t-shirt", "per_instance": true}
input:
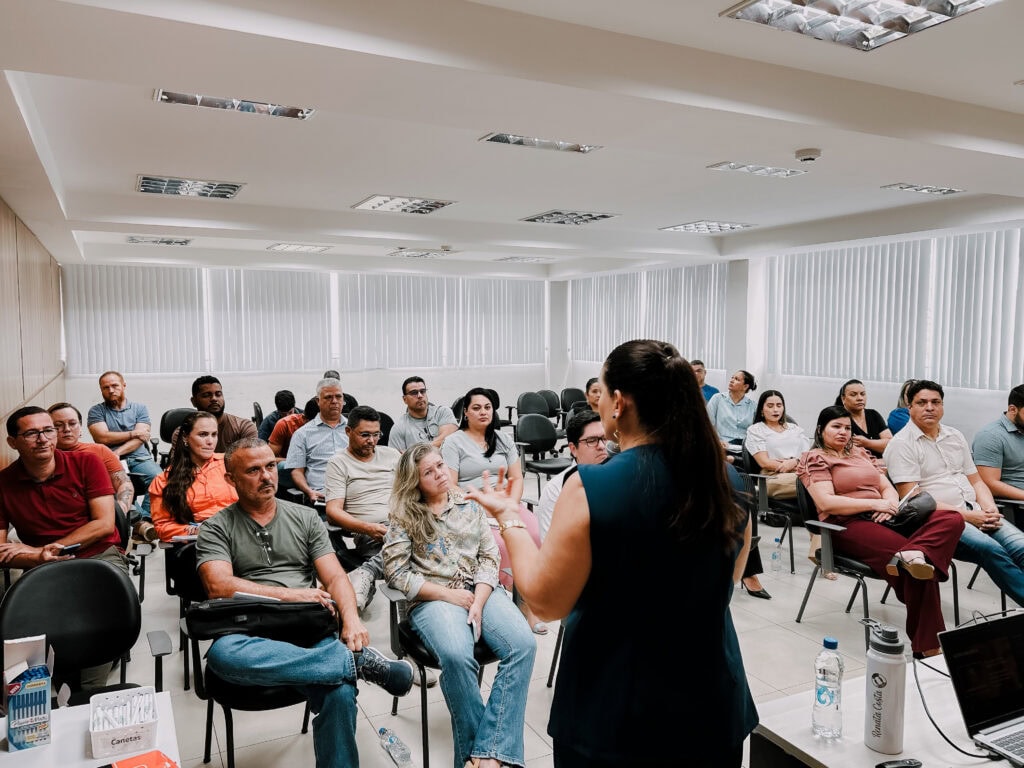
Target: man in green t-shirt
{"points": [[262, 545]]}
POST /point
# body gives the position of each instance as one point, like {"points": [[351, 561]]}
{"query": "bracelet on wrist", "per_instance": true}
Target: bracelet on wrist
{"points": [[513, 523]]}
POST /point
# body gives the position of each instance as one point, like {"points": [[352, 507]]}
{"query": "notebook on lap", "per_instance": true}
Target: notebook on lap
{"points": [[986, 664]]}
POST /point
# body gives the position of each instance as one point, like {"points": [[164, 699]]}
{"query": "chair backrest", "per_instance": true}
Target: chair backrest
{"points": [[571, 395], [386, 423], [257, 413], [531, 402], [750, 464], [537, 432], [88, 609], [182, 577], [554, 405], [171, 420], [804, 502], [350, 403], [457, 407]]}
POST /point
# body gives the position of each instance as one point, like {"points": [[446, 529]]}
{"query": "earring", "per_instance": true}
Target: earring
{"points": [[616, 435], [615, 414]]}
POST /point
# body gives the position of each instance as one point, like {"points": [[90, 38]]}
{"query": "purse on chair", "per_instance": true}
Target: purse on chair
{"points": [[302, 624]]}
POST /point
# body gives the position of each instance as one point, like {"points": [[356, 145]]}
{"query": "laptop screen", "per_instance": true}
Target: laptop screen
{"points": [[986, 664]]}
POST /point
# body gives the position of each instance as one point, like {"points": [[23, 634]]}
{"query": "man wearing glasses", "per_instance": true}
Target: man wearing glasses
{"points": [[262, 545], [54, 499], [358, 491], [422, 422], [587, 445]]}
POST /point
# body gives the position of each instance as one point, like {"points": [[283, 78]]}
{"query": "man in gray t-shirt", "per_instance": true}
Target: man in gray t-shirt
{"points": [[422, 421], [266, 546], [999, 450]]}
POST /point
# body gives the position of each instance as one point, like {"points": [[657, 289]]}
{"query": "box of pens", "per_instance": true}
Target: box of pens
{"points": [[27, 692], [123, 721]]}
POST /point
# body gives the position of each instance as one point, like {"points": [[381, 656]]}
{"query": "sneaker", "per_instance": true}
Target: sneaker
{"points": [[395, 677], [362, 584], [146, 531], [431, 676]]}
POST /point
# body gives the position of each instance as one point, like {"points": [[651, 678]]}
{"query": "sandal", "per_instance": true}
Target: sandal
{"points": [[830, 575], [913, 562]]}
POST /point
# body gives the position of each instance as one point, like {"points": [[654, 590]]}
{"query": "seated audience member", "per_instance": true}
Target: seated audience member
{"points": [[193, 488], [869, 428], [67, 420], [849, 488], [585, 435], [593, 393], [998, 450], [315, 443], [332, 374], [357, 487], [268, 546], [732, 412], [701, 372], [422, 420], [281, 436], [440, 553], [284, 404], [207, 395], [124, 426], [479, 445], [937, 458], [900, 415]]}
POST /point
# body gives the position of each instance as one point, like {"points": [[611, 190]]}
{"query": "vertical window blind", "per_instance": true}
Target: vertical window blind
{"points": [[684, 306], [166, 320]]}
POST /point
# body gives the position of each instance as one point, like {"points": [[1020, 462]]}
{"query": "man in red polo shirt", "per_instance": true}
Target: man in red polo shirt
{"points": [[53, 498]]}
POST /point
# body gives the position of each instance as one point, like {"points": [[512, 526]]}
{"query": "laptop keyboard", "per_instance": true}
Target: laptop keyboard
{"points": [[1012, 743]]}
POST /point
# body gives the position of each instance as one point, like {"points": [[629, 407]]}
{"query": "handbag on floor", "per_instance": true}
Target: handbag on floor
{"points": [[302, 624]]}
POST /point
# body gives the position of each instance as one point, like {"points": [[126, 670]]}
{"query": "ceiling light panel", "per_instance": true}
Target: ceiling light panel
{"points": [[143, 240], [861, 24], [418, 253], [394, 204], [926, 189], [298, 248], [568, 217], [706, 227], [167, 185], [757, 170], [235, 105], [515, 140], [525, 260]]}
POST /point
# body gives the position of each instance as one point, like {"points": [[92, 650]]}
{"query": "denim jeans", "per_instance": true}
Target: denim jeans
{"points": [[494, 731], [325, 673], [1000, 553], [150, 469]]}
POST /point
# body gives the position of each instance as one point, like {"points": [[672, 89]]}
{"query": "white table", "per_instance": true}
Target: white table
{"points": [[783, 738], [70, 747]]}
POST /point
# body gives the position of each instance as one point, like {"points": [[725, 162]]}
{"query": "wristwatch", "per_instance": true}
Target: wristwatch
{"points": [[513, 523]]}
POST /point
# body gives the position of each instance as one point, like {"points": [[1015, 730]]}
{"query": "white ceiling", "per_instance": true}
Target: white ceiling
{"points": [[405, 88]]}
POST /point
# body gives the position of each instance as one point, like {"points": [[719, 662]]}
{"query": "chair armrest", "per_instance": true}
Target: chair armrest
{"points": [[1010, 508], [828, 555], [392, 594], [159, 646]]}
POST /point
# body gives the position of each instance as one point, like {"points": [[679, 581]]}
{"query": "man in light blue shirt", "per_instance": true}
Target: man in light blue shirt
{"points": [[998, 450], [314, 444]]}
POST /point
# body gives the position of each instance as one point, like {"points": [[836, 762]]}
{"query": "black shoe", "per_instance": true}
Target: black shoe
{"points": [[395, 677], [762, 592]]}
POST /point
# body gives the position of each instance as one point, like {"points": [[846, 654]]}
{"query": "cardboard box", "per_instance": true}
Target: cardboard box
{"points": [[27, 692]]}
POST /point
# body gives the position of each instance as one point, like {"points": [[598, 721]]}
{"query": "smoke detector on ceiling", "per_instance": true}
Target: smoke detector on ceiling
{"points": [[808, 155]]}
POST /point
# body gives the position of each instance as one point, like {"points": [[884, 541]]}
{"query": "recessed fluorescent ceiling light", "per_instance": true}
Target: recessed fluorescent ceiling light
{"points": [[525, 259], [414, 253], [861, 24], [165, 185], [757, 170], [568, 217], [392, 204], [530, 141], [705, 227], [298, 248], [236, 105], [141, 240], [923, 188]]}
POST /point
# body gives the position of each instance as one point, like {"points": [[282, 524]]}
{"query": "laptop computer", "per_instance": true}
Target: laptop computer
{"points": [[986, 663]]}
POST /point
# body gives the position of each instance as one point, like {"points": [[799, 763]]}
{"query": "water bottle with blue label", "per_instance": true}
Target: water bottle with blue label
{"points": [[827, 716]]}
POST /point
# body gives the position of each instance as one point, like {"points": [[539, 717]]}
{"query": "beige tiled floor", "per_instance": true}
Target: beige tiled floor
{"points": [[778, 655]]}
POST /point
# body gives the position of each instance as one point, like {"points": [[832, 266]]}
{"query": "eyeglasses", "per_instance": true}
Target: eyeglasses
{"points": [[369, 435], [61, 426], [591, 442], [34, 434], [266, 541], [416, 392]]}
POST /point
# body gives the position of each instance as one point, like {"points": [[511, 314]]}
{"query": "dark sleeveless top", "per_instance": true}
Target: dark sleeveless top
{"points": [[650, 646], [876, 426]]}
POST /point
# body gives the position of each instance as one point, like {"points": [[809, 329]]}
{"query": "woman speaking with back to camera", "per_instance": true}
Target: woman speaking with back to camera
{"points": [[629, 691]]}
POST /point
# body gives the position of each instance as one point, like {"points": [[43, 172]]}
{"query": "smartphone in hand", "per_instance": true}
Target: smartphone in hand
{"points": [[70, 549]]}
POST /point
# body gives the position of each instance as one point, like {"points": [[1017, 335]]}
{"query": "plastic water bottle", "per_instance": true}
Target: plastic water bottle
{"points": [[775, 564], [885, 683], [827, 717], [395, 747]]}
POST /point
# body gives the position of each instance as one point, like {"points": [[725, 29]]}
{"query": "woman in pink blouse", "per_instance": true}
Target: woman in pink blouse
{"points": [[850, 489]]}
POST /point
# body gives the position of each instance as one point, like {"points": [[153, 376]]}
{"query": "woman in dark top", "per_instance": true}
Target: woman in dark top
{"points": [[870, 431], [665, 498]]}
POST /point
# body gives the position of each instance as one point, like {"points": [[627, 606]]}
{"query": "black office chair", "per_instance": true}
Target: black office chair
{"points": [[135, 553], [350, 403], [567, 397], [169, 422], [257, 413], [778, 513], [386, 424], [457, 408], [90, 613], [535, 437], [181, 580], [528, 402], [405, 643]]}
